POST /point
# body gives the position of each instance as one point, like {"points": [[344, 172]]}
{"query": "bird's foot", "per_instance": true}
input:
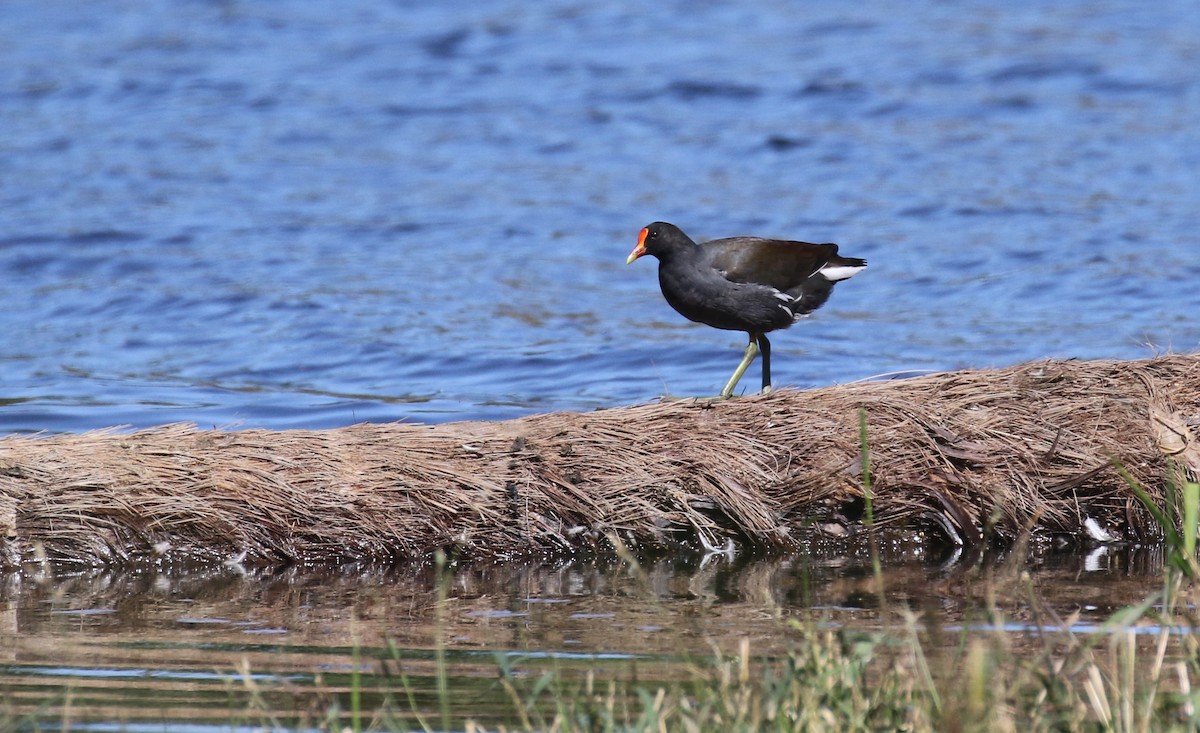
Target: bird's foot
{"points": [[696, 400]]}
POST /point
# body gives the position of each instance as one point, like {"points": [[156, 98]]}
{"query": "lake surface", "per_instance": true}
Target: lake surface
{"points": [[299, 214]]}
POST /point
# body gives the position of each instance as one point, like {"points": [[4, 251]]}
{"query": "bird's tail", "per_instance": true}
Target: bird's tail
{"points": [[815, 290], [841, 268]]}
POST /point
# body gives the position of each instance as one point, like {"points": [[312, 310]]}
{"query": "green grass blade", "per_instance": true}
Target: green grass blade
{"points": [[864, 449], [1170, 534], [1191, 515]]}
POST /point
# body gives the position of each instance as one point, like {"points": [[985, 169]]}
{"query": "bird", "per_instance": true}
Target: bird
{"points": [[746, 284]]}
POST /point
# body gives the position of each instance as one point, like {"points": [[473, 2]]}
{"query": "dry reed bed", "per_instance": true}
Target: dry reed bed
{"points": [[969, 455]]}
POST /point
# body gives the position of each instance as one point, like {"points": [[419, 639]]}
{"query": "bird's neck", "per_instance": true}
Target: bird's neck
{"points": [[679, 257]]}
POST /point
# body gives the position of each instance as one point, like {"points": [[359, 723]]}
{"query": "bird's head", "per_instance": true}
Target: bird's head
{"points": [[656, 239]]}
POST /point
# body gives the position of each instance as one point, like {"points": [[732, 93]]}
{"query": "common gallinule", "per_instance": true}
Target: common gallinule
{"points": [[743, 283]]}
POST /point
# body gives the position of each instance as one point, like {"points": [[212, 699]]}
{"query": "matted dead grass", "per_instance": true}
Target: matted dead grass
{"points": [[965, 456]]}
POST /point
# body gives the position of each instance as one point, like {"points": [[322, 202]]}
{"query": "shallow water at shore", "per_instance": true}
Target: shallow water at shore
{"points": [[296, 215], [176, 650]]}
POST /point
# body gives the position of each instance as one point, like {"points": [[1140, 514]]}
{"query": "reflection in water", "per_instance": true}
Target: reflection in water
{"points": [[137, 645]]}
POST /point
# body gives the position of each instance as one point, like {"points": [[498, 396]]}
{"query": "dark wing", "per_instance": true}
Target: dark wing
{"points": [[777, 263]]}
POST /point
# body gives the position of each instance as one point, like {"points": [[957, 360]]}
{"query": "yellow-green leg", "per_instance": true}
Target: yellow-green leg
{"points": [[751, 352]]}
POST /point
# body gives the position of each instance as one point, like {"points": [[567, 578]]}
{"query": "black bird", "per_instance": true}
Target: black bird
{"points": [[746, 284]]}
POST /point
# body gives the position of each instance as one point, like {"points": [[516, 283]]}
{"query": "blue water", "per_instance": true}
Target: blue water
{"points": [[298, 214]]}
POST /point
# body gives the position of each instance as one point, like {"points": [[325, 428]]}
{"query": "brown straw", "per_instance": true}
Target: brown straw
{"points": [[964, 457]]}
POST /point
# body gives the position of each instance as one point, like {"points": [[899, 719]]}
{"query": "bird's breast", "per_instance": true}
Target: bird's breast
{"points": [[707, 297]]}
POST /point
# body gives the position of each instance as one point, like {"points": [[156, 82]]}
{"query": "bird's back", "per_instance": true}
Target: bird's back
{"points": [[803, 270], [777, 263]]}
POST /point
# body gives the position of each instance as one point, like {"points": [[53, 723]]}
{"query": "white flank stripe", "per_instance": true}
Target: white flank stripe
{"points": [[783, 296], [840, 272]]}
